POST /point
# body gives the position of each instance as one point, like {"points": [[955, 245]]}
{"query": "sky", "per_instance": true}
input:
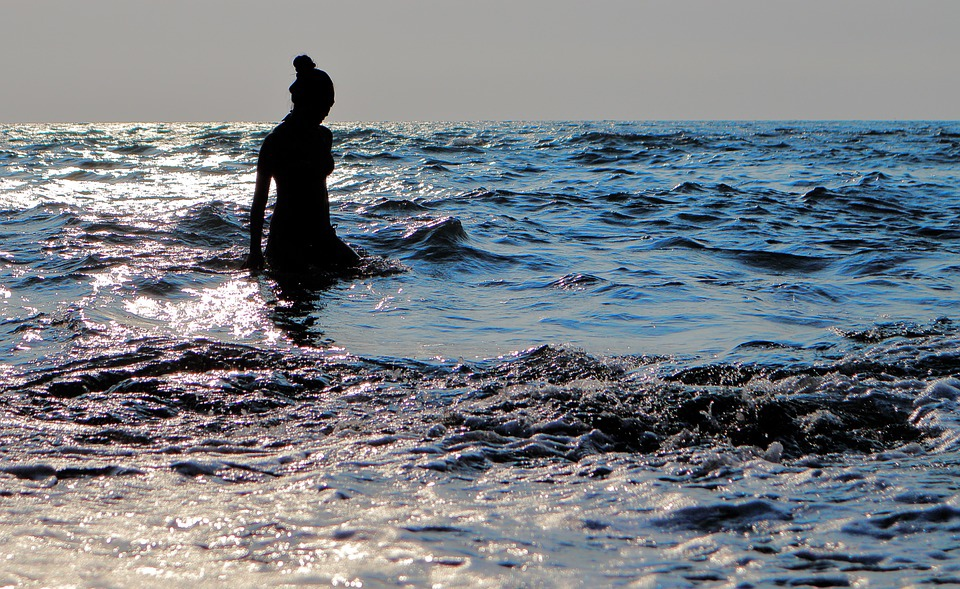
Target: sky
{"points": [[459, 60]]}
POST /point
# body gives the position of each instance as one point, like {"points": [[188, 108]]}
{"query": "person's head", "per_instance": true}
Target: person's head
{"points": [[312, 92]]}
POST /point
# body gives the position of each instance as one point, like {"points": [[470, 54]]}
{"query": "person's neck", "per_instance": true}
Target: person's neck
{"points": [[304, 117]]}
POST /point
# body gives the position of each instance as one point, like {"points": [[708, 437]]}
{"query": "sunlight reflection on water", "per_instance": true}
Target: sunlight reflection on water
{"points": [[235, 306]]}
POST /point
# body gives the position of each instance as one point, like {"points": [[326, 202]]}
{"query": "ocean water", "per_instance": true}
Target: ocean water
{"points": [[577, 355]]}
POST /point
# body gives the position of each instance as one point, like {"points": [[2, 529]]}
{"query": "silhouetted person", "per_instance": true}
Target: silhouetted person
{"points": [[297, 155]]}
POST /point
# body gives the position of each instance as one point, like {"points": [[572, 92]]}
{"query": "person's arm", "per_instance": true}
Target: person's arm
{"points": [[260, 192], [326, 168], [326, 139]]}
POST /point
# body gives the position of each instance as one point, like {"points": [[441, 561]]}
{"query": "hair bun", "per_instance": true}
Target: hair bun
{"points": [[303, 64]]}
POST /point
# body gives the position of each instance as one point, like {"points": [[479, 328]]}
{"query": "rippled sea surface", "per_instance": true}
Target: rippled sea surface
{"points": [[577, 354]]}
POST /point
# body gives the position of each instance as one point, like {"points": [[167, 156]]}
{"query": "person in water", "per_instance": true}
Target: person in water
{"points": [[297, 156]]}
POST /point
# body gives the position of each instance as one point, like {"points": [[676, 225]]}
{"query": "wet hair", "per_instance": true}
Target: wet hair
{"points": [[312, 85]]}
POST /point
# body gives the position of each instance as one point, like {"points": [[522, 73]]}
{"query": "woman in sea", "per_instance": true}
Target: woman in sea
{"points": [[297, 156]]}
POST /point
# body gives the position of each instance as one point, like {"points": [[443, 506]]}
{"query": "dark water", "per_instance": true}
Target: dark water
{"points": [[691, 354]]}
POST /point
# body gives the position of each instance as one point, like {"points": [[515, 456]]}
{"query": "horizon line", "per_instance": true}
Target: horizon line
{"points": [[462, 121]]}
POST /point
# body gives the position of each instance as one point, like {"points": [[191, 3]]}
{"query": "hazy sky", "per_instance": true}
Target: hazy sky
{"points": [[229, 60]]}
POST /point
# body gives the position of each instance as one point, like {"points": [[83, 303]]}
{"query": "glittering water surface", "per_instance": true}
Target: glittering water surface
{"points": [[577, 354]]}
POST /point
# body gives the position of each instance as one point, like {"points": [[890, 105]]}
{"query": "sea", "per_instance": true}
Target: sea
{"points": [[576, 354]]}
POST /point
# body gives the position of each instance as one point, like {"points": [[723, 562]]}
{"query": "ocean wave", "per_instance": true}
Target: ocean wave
{"points": [[728, 517], [442, 232], [434, 239], [576, 281], [213, 225], [781, 261], [135, 149], [393, 206], [885, 331], [546, 402], [626, 138], [687, 188]]}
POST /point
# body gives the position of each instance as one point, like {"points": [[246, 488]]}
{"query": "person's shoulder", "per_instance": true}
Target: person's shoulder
{"points": [[271, 142], [326, 133], [278, 133], [282, 128]]}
